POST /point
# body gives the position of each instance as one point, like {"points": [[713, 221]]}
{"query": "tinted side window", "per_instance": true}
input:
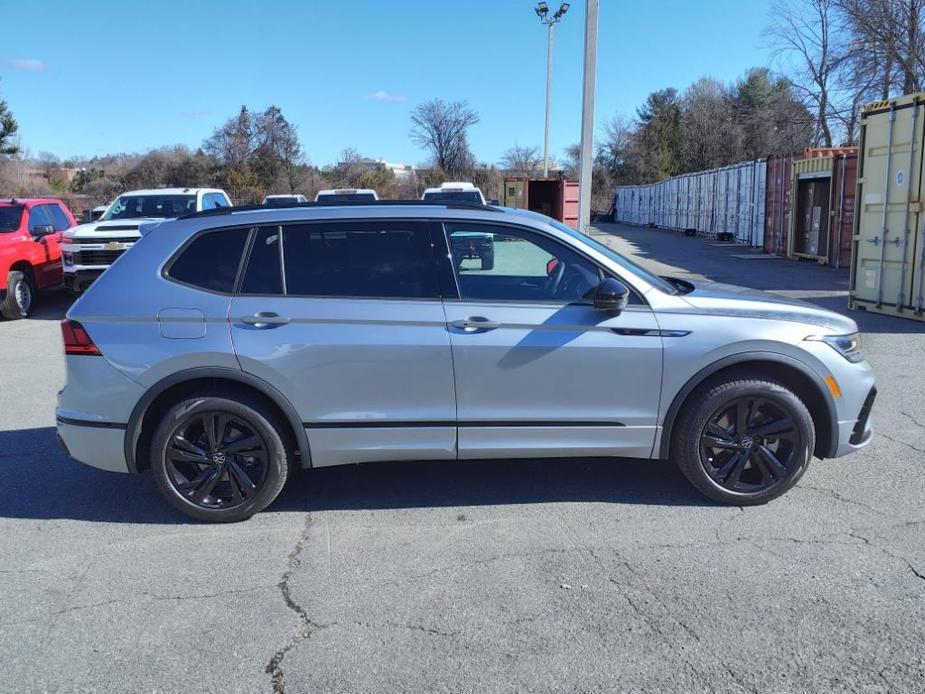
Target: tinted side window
{"points": [[211, 261], [496, 263], [38, 216], [60, 218], [375, 259], [264, 274]]}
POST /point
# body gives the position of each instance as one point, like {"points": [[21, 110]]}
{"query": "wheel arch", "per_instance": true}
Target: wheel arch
{"points": [[794, 374], [142, 422], [23, 266]]}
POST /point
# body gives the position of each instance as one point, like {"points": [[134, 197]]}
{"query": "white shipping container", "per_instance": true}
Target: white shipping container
{"points": [[726, 200]]}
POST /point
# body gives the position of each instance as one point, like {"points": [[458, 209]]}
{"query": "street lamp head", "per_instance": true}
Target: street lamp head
{"points": [[541, 9], [563, 9]]}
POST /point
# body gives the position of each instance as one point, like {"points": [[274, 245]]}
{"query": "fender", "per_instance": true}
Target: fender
{"points": [[133, 429], [732, 360]]}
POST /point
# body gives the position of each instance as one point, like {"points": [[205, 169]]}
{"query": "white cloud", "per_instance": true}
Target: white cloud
{"points": [[26, 64], [197, 112], [384, 96]]}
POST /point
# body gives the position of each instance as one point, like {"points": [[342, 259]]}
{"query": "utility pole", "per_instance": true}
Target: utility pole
{"points": [[542, 11], [587, 117]]}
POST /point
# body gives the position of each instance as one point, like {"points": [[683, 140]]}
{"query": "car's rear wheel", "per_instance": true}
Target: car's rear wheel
{"points": [[745, 441], [20, 295], [219, 459]]}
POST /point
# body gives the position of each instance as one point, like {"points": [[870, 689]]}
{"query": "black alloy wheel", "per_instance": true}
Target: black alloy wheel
{"points": [[216, 461], [749, 445], [743, 441]]}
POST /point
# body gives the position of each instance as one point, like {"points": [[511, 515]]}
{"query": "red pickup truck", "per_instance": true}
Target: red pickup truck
{"points": [[30, 251]]}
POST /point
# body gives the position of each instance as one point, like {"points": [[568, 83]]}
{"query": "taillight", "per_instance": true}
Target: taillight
{"points": [[76, 340]]}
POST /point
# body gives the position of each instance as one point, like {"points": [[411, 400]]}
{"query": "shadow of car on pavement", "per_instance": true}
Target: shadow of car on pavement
{"points": [[41, 482]]}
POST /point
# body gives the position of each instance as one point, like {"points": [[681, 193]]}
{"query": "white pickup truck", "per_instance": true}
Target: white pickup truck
{"points": [[87, 250]]}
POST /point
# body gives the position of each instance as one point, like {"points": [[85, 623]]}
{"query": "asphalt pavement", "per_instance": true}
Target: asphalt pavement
{"points": [[527, 576]]}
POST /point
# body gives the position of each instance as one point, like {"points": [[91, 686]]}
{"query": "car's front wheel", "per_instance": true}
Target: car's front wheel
{"points": [[20, 295], [745, 441], [219, 459]]}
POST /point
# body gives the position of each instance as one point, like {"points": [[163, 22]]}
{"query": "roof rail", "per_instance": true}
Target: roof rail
{"points": [[450, 204]]}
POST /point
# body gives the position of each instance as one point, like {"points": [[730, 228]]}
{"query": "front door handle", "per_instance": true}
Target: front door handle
{"points": [[475, 324], [265, 319]]}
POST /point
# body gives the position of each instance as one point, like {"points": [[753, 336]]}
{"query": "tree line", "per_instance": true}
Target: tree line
{"points": [[829, 58]]}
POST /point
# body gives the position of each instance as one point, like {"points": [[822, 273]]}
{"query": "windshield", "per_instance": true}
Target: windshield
{"points": [[628, 265], [10, 216], [157, 206], [345, 197], [454, 196]]}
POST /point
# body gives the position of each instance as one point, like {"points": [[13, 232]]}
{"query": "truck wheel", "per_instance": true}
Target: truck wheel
{"points": [[745, 441], [488, 261], [20, 294]]}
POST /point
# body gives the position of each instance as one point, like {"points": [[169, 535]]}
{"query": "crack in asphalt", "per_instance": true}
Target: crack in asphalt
{"points": [[151, 596], [890, 554], [306, 626], [649, 619], [902, 443], [914, 420], [413, 627], [840, 497]]}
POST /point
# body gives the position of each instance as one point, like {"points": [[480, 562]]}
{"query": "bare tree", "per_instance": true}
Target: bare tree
{"points": [[521, 160], [442, 128], [708, 125], [890, 32]]}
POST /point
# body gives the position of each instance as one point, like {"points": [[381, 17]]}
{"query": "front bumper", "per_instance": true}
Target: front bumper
{"points": [[855, 434], [78, 279]]}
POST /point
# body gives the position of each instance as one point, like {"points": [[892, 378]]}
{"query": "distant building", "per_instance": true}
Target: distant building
{"points": [[402, 172]]}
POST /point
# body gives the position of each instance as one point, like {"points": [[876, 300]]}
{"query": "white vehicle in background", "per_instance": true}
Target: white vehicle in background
{"points": [[347, 195], [454, 191], [282, 200], [87, 250]]}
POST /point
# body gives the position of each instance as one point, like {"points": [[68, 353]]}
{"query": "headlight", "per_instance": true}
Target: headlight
{"points": [[849, 346]]}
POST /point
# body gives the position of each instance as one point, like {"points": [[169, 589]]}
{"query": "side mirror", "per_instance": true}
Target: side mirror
{"points": [[611, 295], [43, 229]]}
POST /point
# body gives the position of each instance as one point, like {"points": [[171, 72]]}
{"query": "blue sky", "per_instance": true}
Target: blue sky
{"points": [[101, 76]]}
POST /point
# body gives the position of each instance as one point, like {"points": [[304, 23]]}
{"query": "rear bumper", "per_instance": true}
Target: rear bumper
{"points": [[98, 444]]}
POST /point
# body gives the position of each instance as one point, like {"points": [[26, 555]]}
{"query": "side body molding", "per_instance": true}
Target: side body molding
{"points": [[133, 430]]}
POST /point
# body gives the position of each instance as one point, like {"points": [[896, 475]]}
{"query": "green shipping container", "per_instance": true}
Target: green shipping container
{"points": [[888, 255]]}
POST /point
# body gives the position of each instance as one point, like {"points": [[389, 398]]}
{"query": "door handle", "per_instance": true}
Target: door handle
{"points": [[265, 319], [475, 324]]}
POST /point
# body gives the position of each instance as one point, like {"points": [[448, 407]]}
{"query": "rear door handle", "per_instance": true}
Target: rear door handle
{"points": [[265, 319], [475, 324]]}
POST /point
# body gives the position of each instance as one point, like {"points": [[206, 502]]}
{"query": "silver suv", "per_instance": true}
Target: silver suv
{"points": [[232, 346]]}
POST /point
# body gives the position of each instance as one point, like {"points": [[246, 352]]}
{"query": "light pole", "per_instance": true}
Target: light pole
{"points": [[587, 117], [542, 11]]}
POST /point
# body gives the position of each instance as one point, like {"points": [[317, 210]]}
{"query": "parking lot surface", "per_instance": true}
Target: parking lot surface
{"points": [[578, 576]]}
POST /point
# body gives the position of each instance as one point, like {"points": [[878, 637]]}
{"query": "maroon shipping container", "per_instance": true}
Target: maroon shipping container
{"points": [[554, 197], [777, 203], [809, 205]]}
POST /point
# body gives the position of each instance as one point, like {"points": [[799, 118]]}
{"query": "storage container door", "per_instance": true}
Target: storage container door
{"points": [[886, 253]]}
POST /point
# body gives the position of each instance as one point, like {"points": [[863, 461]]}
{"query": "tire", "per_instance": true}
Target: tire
{"points": [[20, 296], [747, 465], [264, 463], [488, 261]]}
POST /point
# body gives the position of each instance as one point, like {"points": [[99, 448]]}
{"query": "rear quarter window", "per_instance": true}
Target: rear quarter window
{"points": [[211, 260]]}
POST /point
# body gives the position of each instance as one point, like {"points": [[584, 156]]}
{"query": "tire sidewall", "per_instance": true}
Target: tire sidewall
{"points": [[12, 309], [277, 457], [724, 394]]}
